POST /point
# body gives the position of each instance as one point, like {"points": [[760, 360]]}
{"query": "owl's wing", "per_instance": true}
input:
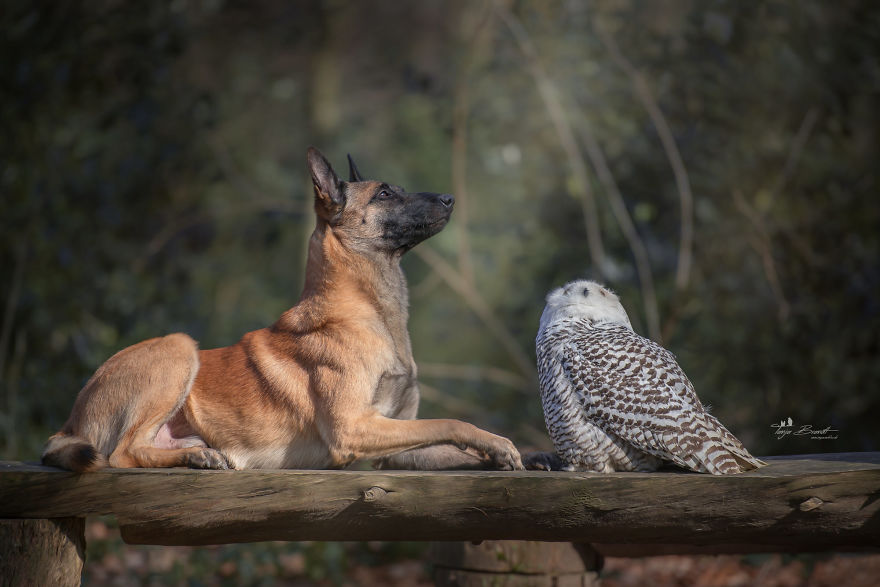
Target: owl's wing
{"points": [[634, 388]]}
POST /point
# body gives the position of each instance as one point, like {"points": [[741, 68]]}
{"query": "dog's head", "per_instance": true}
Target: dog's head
{"points": [[374, 216]]}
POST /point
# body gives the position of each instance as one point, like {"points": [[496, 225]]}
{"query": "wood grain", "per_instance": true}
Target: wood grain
{"points": [[809, 502]]}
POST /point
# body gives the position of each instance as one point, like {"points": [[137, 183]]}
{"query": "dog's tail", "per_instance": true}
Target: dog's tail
{"points": [[71, 452]]}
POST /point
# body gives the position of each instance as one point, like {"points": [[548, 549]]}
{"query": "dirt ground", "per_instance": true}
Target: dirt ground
{"points": [[839, 570]]}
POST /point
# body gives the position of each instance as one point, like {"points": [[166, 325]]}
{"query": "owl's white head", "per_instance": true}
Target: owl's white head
{"points": [[584, 299]]}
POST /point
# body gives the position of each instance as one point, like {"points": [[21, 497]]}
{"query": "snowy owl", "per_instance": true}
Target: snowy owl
{"points": [[615, 401]]}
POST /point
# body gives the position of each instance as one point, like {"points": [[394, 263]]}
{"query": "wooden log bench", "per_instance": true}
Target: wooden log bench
{"points": [[825, 502]]}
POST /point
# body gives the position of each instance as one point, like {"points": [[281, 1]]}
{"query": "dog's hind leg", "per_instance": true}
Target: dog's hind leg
{"points": [[162, 375], [118, 412]]}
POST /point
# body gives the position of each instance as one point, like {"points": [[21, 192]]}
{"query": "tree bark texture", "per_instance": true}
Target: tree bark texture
{"points": [[514, 563], [42, 552]]}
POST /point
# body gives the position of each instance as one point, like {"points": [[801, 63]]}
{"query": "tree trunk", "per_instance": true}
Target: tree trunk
{"points": [[42, 552], [515, 563]]}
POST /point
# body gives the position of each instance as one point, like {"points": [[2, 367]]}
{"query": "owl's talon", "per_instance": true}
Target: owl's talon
{"points": [[542, 461]]}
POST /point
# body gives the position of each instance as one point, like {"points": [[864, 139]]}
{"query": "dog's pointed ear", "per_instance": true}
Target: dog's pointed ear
{"points": [[329, 195], [353, 173]]}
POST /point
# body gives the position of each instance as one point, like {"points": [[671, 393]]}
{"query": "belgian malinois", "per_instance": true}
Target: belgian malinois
{"points": [[331, 382]]}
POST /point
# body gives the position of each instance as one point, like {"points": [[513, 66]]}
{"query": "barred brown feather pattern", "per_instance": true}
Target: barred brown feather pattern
{"points": [[615, 401]]}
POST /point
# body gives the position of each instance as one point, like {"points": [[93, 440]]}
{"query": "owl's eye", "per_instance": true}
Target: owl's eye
{"points": [[586, 292]]}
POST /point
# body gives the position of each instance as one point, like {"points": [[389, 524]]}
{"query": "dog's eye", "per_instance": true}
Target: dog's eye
{"points": [[382, 195]]}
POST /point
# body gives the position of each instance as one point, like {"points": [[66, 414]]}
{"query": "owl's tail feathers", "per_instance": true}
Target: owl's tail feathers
{"points": [[727, 455]]}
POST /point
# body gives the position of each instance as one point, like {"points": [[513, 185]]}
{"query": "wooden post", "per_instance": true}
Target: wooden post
{"points": [[42, 552], [515, 563]]}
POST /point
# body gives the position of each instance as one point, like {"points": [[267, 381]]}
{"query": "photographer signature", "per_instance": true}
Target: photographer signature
{"points": [[788, 428]]}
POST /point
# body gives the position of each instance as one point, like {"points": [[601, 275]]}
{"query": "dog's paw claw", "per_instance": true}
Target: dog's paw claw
{"points": [[506, 457], [208, 458]]}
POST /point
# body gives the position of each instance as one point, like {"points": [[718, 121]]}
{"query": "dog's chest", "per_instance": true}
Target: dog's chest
{"points": [[395, 391], [394, 387]]}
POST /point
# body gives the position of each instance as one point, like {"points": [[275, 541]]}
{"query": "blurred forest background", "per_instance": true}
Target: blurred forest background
{"points": [[715, 162]]}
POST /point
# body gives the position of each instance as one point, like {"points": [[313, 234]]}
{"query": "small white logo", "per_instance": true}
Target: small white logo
{"points": [[786, 427]]}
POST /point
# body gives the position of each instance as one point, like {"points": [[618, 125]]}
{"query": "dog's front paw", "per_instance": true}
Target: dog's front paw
{"points": [[504, 455], [206, 458]]}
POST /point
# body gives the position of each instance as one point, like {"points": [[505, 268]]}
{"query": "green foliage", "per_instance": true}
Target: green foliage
{"points": [[152, 180]]}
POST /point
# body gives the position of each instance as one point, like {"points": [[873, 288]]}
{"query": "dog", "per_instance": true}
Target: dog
{"points": [[333, 381]]}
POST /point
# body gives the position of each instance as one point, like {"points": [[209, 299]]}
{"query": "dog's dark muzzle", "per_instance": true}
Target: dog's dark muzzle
{"points": [[431, 205], [446, 201], [423, 215]]}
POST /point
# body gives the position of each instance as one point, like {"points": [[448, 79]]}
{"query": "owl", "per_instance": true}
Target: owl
{"points": [[615, 401]]}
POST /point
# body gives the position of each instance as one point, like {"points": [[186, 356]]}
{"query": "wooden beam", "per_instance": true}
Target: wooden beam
{"points": [[810, 502]]}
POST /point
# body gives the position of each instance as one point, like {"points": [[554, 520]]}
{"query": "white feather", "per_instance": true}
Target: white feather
{"points": [[584, 299]]}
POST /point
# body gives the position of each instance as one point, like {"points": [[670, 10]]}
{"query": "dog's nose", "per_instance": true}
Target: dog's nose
{"points": [[447, 200]]}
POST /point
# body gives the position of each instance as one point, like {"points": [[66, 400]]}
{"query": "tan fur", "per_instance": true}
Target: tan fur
{"points": [[331, 382]]}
